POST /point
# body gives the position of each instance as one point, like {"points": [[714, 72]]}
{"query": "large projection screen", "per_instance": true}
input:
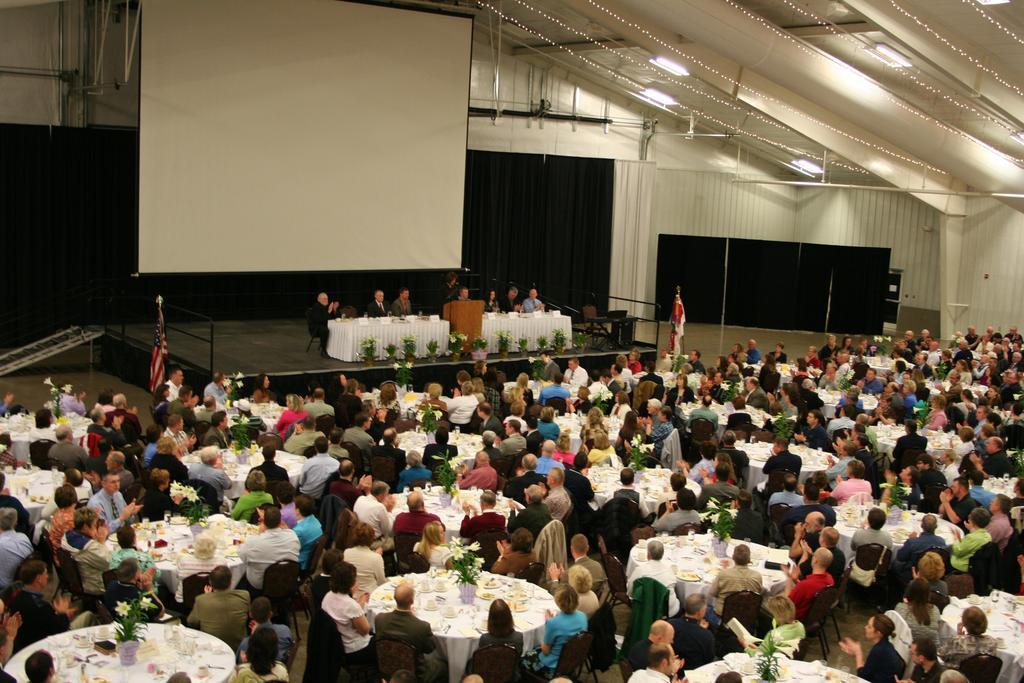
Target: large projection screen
{"points": [[301, 135]]}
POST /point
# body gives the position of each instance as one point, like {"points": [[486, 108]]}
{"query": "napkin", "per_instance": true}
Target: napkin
{"points": [[468, 632], [160, 543]]}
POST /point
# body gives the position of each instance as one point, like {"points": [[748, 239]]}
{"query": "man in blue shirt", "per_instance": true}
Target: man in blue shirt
{"points": [[788, 495], [810, 504], [216, 388], [317, 470], [814, 435], [531, 303], [545, 463], [871, 384], [14, 547], [753, 353], [110, 505], [210, 469], [555, 390], [916, 546], [659, 427], [262, 612], [414, 472], [978, 491]]}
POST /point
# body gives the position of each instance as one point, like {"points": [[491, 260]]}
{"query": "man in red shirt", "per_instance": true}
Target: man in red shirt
{"points": [[413, 521], [482, 476], [344, 487], [487, 520], [802, 592]]}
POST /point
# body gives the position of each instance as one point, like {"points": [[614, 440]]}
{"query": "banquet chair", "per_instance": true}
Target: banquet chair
{"points": [[981, 668], [744, 606], [625, 670], [404, 424], [763, 436], [489, 551], [533, 572], [571, 661], [38, 453], [701, 430], [109, 577], [495, 663], [910, 456], [684, 529], [348, 312], [959, 585], [199, 429], [844, 582], [814, 620], [103, 614], [776, 482], [938, 599], [984, 568], [417, 563], [316, 554], [558, 403], [618, 590], [355, 454], [743, 431], [404, 544], [192, 586], [382, 468], [640, 533], [394, 654], [71, 579], [324, 424], [314, 332], [131, 494], [280, 583]]}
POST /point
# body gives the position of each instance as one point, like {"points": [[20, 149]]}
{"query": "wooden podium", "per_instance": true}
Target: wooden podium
{"points": [[465, 317]]}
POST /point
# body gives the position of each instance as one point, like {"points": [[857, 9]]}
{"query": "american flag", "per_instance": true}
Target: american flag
{"points": [[159, 355], [678, 320]]}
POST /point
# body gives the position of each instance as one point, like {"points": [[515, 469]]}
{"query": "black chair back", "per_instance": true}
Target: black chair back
{"points": [[533, 572], [417, 563], [744, 606], [393, 655], [489, 550], [39, 453], [496, 663], [981, 668], [192, 587]]}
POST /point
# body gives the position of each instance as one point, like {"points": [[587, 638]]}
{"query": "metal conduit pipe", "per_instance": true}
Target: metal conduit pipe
{"points": [[878, 188]]}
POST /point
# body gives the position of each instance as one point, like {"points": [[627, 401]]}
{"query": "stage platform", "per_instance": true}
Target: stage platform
{"points": [[278, 348]]}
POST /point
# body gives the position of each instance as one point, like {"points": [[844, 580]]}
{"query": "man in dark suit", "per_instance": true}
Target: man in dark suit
{"points": [[617, 383], [517, 485], [319, 314], [580, 488], [377, 308], [740, 461], [782, 459], [511, 301], [909, 441], [390, 449], [488, 422], [39, 619], [534, 439], [535, 516], [404, 625], [693, 642]]}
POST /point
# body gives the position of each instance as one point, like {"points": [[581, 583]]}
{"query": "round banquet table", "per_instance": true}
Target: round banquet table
{"points": [[33, 488], [457, 627], [850, 517], [239, 472], [938, 442], [451, 515], [1005, 615], [798, 672], [179, 540], [23, 432], [696, 566], [813, 461], [757, 417], [467, 444], [652, 484], [74, 655]]}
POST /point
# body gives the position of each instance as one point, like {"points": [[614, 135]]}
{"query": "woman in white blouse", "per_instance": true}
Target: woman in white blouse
{"points": [[349, 615], [462, 406], [368, 563], [431, 546]]}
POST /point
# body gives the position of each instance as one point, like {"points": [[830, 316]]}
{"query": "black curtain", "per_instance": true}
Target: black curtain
{"points": [[813, 276], [531, 219], [696, 265], [762, 283], [860, 282]]}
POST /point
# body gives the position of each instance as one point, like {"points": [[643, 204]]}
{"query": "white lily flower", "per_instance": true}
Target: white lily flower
{"points": [[122, 609], [48, 382], [66, 388]]}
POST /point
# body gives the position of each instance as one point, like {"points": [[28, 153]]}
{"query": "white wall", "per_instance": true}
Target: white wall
{"points": [[993, 244], [28, 41]]}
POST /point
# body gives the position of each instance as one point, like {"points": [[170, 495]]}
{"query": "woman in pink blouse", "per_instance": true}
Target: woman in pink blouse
{"points": [[937, 419], [855, 485], [295, 412], [563, 450]]}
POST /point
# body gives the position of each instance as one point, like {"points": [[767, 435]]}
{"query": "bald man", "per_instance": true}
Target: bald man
{"points": [[661, 633], [317, 318], [482, 476], [406, 626], [802, 591]]}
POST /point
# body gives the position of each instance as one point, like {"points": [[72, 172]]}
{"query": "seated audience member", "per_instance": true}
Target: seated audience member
{"points": [[307, 529], [679, 512], [915, 546], [345, 486], [369, 563], [87, 543], [883, 664], [39, 667], [516, 553], [658, 569], [260, 614], [874, 533], [273, 543], [168, 457], [402, 623], [828, 538], [482, 476], [255, 495], [921, 616], [486, 519], [15, 547], [661, 632], [810, 504], [788, 495], [535, 516], [735, 579], [693, 642], [415, 471], [1000, 527], [977, 536], [626, 479], [110, 504], [317, 470], [931, 567], [924, 656], [304, 436], [970, 639], [202, 560], [749, 524], [527, 477], [558, 500], [221, 611], [415, 519], [432, 547], [375, 509], [662, 665], [286, 497], [557, 631], [582, 582], [39, 618], [786, 630], [261, 660], [157, 503], [270, 469], [131, 583], [126, 548], [501, 628], [956, 502], [720, 489], [855, 485], [349, 615], [66, 453], [210, 469], [802, 591], [63, 519]]}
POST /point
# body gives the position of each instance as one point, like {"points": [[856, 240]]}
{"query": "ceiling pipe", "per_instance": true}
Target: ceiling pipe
{"points": [[878, 188]]}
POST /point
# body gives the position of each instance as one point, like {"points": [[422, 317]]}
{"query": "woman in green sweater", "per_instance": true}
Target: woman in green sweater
{"points": [[254, 496], [787, 631]]}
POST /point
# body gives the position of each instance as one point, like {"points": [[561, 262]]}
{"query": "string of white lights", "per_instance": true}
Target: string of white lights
{"points": [[797, 112], [977, 8]]}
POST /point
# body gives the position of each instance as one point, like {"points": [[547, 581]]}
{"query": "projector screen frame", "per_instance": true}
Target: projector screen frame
{"points": [[388, 4]]}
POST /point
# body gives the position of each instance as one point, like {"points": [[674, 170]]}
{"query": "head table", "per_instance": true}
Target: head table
{"points": [[457, 627], [166, 650]]}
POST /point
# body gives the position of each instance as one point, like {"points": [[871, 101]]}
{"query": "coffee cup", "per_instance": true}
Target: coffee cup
{"points": [[431, 603], [451, 612], [440, 585]]}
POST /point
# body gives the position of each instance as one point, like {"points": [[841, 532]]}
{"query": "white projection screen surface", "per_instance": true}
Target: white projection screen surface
{"points": [[301, 135]]}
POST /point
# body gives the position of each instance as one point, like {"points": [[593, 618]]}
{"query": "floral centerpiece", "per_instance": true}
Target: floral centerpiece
{"points": [[767, 662], [444, 475], [409, 347], [130, 627], [559, 340], [232, 385], [844, 381], [432, 346], [942, 370], [466, 565], [403, 373], [368, 350], [240, 434], [719, 513], [55, 396], [898, 492], [427, 418], [678, 360], [782, 426], [191, 506], [455, 342], [542, 343], [524, 344], [479, 345], [882, 345], [579, 340], [536, 368], [729, 390], [392, 351], [504, 342], [1017, 462], [921, 413], [638, 452], [600, 395]]}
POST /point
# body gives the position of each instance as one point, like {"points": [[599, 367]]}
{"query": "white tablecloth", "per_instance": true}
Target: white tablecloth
{"points": [[652, 484], [238, 473], [73, 649], [696, 565], [458, 633], [346, 337], [813, 461], [452, 514], [34, 489], [23, 432], [938, 442], [850, 518], [798, 672], [1005, 622], [538, 325]]}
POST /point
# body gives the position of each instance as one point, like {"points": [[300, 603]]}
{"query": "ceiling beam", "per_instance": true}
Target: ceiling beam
{"points": [[819, 30], [581, 46]]}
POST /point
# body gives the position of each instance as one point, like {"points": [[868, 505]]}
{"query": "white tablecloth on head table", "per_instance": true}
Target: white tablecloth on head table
{"points": [[792, 671], [813, 461], [850, 518], [537, 325], [452, 514], [1005, 622], [652, 484], [458, 633], [74, 649], [346, 337], [696, 565]]}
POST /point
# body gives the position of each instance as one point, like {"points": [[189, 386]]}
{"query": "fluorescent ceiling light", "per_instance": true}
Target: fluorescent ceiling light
{"points": [[808, 165], [648, 100], [659, 97], [992, 2], [891, 57], [1019, 136], [794, 167], [670, 66]]}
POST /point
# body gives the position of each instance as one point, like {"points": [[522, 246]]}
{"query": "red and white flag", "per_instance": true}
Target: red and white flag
{"points": [[678, 320], [158, 357]]}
